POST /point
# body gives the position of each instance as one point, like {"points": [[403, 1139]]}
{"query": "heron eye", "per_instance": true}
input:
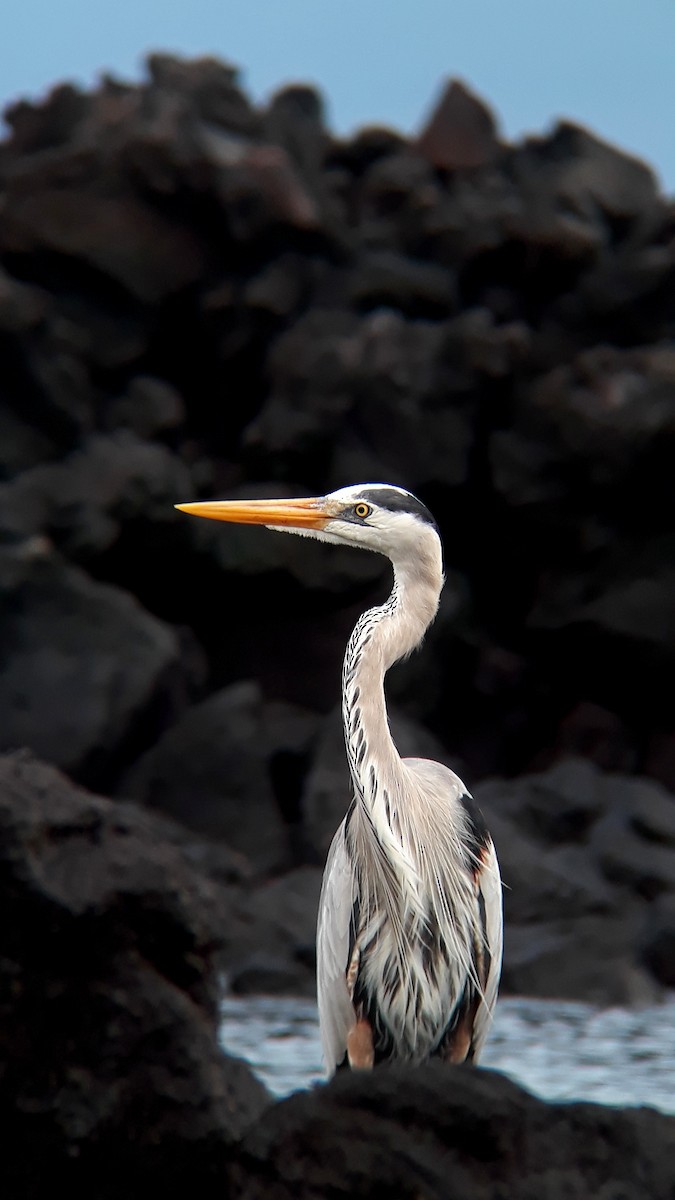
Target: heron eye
{"points": [[362, 510]]}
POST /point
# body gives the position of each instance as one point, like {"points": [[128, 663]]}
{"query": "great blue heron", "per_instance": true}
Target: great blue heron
{"points": [[409, 938]]}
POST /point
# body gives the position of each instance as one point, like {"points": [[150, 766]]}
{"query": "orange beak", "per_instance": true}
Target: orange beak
{"points": [[293, 514]]}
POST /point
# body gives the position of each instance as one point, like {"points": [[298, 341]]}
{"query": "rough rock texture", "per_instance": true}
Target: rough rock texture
{"points": [[216, 770], [589, 862], [84, 668], [202, 297], [452, 1132], [110, 1069]]}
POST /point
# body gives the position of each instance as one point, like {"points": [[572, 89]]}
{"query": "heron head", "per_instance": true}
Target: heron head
{"points": [[371, 516]]}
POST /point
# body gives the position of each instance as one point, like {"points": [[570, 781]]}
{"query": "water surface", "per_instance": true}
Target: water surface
{"points": [[558, 1050]]}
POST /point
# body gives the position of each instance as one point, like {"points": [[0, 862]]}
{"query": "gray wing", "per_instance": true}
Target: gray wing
{"points": [[489, 884], [336, 1013]]}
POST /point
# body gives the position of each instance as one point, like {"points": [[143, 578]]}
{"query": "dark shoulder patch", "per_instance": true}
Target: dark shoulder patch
{"points": [[396, 501], [479, 835]]}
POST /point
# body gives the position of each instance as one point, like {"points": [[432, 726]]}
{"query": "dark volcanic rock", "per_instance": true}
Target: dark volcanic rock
{"points": [[224, 770], [540, 885], [657, 943], [580, 852], [126, 241], [280, 957], [21, 307], [635, 862], [210, 87], [83, 500], [21, 445], [110, 1070], [555, 807], [567, 180], [368, 397], [149, 407], [596, 420], [461, 132], [595, 958], [86, 674], [295, 120], [388, 280], [440, 1132]]}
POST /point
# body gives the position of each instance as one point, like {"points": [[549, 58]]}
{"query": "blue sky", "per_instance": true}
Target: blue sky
{"points": [[606, 63]]}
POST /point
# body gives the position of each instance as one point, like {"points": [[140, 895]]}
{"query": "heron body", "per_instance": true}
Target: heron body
{"points": [[409, 937]]}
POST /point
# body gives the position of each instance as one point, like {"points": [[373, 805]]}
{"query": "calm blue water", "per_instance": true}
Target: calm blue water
{"points": [[560, 1051]]}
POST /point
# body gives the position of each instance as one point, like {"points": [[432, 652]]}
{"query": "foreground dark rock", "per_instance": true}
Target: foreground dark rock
{"points": [[109, 1059], [455, 1132]]}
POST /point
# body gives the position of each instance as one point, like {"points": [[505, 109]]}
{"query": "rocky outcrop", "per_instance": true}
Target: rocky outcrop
{"points": [[85, 668], [223, 769], [457, 1132], [110, 1071], [588, 859]]}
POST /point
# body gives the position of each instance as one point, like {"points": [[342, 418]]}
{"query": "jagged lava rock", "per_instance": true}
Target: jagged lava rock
{"points": [[461, 132], [582, 853], [110, 1070], [223, 770], [86, 673], [451, 1132]]}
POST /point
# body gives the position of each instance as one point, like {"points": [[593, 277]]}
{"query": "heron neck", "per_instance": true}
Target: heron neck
{"points": [[381, 637]]}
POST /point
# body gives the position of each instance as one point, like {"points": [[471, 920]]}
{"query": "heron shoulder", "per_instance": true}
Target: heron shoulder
{"points": [[442, 786], [436, 780]]}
